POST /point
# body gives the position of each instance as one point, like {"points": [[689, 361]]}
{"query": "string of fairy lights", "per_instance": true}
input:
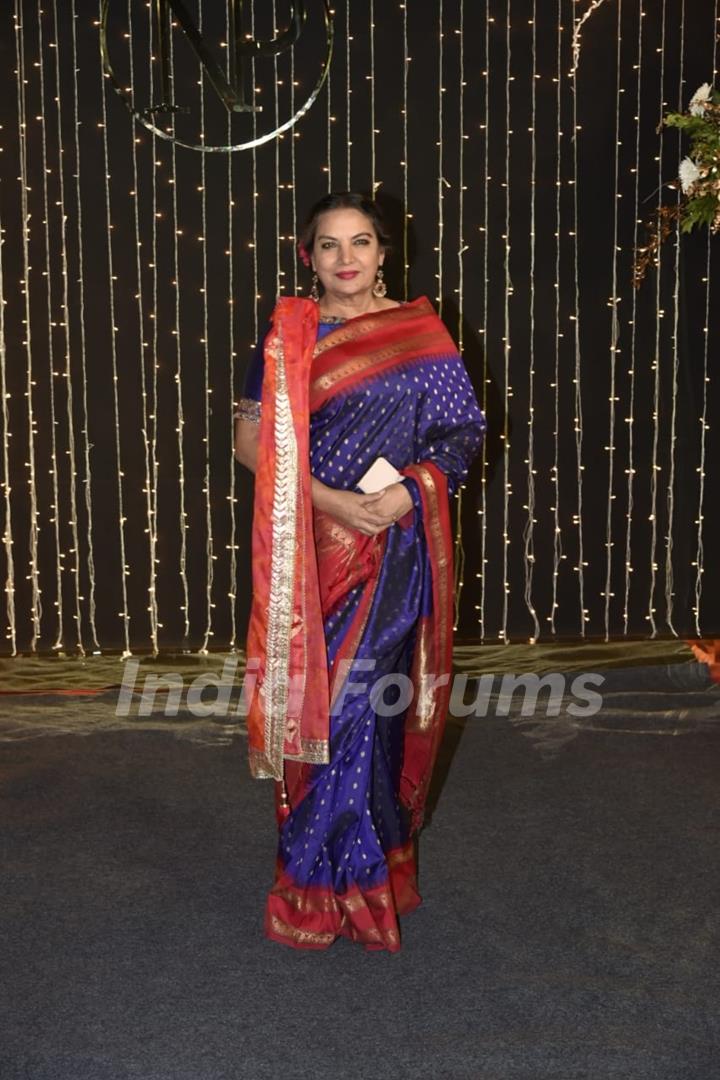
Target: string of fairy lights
{"points": [[509, 255], [7, 538], [83, 357], [655, 467], [178, 401], [207, 388], [52, 374], [460, 290], [483, 330], [558, 554], [149, 488], [613, 304], [404, 163], [232, 545], [630, 417], [71, 452], [36, 610], [704, 426], [670, 489], [529, 529], [506, 342]]}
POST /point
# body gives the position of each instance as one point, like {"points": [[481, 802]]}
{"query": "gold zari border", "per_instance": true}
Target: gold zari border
{"points": [[363, 363], [355, 328]]}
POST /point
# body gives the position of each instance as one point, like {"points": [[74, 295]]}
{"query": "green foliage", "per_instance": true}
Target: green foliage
{"points": [[698, 211], [699, 203]]}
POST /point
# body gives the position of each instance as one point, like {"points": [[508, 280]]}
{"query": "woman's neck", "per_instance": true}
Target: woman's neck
{"points": [[348, 307]]}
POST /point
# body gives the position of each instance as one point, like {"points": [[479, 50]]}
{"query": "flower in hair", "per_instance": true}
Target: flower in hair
{"points": [[303, 253]]}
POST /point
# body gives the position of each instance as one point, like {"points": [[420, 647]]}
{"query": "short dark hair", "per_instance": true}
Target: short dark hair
{"points": [[344, 200]]}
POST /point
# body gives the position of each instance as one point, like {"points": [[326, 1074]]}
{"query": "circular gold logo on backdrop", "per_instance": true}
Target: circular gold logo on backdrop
{"points": [[222, 77]]}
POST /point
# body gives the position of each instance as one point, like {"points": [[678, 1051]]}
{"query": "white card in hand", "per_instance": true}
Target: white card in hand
{"points": [[380, 475]]}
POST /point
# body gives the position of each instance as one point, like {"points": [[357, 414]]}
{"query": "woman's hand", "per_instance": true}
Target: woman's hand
{"points": [[369, 514], [395, 500]]}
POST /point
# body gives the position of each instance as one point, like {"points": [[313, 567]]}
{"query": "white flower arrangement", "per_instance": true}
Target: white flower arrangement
{"points": [[700, 99], [698, 180]]}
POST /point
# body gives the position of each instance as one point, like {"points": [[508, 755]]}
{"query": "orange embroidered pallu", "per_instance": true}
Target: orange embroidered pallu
{"points": [[351, 636]]}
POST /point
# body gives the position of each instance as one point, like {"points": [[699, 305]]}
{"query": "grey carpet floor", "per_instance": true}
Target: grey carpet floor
{"points": [[569, 928]]}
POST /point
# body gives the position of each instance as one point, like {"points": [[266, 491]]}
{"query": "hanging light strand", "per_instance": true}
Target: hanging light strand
{"points": [[700, 520], [329, 123], [209, 542], [485, 227], [371, 77], [440, 177], [614, 329], [656, 364], [179, 402], [558, 554], [65, 304], [34, 528], [459, 546], [348, 92], [232, 499], [278, 228], [7, 537], [634, 337], [529, 530], [153, 612], [52, 374], [293, 173], [670, 491], [87, 474], [142, 344], [124, 614], [584, 617], [406, 206], [255, 192], [507, 389]]}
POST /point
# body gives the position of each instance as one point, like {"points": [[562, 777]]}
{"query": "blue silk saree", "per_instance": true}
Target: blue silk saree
{"points": [[350, 636]]}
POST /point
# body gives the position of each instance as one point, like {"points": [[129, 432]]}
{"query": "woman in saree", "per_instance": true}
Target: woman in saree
{"points": [[350, 636]]}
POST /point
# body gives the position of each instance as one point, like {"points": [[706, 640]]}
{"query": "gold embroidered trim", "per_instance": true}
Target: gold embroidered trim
{"points": [[248, 409], [362, 363], [355, 328], [314, 751], [307, 903], [301, 936], [350, 902], [428, 483], [425, 707], [395, 858], [260, 766], [274, 691]]}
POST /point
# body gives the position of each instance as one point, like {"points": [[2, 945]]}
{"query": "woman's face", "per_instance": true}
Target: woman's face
{"points": [[346, 253]]}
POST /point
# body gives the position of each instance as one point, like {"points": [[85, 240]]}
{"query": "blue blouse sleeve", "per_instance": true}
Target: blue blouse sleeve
{"points": [[451, 424], [249, 405]]}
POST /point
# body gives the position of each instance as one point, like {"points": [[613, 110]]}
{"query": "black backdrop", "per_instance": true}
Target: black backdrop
{"points": [[132, 298]]}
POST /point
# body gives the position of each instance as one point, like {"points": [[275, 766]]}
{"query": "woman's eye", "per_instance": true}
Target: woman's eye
{"points": [[326, 244], [362, 240]]}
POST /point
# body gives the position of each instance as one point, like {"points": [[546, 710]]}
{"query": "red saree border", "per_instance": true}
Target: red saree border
{"points": [[289, 712], [314, 916], [297, 773], [425, 721], [374, 344]]}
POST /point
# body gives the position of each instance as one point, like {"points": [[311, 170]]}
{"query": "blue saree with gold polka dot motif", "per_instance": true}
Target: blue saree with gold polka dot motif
{"points": [[353, 761]]}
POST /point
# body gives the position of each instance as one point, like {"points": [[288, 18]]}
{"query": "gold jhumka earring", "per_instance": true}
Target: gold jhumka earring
{"points": [[314, 291], [379, 288]]}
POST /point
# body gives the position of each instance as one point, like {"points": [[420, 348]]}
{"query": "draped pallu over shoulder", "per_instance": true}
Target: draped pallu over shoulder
{"points": [[304, 564], [288, 716]]}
